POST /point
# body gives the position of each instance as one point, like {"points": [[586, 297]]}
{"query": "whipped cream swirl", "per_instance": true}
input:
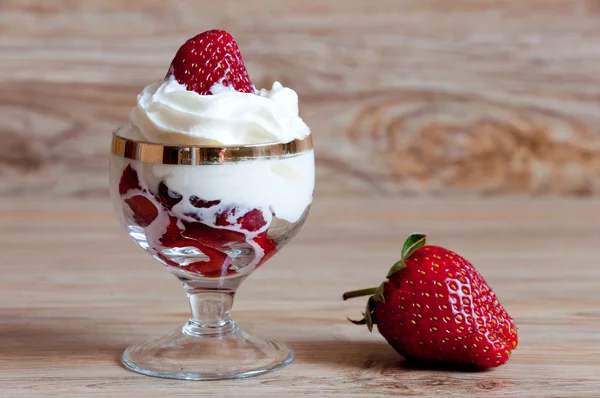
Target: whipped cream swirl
{"points": [[167, 113]]}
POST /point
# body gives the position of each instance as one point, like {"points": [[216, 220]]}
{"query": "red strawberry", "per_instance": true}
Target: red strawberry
{"points": [[144, 211], [167, 197], [252, 220], [129, 180], [166, 260], [172, 233], [208, 58], [269, 247], [217, 264], [216, 238], [201, 203], [436, 307], [222, 217]]}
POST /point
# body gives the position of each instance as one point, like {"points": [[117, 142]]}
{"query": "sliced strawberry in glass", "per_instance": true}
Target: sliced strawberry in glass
{"points": [[217, 264], [167, 197], [195, 216], [222, 217], [129, 180], [167, 260], [252, 220], [172, 233], [144, 211], [267, 244], [216, 238], [201, 203]]}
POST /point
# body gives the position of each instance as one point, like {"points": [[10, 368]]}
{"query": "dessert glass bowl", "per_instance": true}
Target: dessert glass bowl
{"points": [[211, 216]]}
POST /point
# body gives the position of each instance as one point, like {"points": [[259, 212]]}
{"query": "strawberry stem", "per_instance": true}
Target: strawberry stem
{"points": [[359, 293]]}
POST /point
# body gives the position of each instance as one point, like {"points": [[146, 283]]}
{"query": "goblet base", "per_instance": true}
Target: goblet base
{"points": [[229, 352]]}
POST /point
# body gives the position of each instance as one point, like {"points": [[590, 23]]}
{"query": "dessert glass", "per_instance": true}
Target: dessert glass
{"points": [[211, 216]]}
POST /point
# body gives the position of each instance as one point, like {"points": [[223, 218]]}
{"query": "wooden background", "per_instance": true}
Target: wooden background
{"points": [[462, 97]]}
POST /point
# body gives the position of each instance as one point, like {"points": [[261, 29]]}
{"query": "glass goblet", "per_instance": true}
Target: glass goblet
{"points": [[211, 216]]}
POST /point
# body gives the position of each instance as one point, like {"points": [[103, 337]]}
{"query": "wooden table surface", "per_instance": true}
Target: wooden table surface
{"points": [[75, 292]]}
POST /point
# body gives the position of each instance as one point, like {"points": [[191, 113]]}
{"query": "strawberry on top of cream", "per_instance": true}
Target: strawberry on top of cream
{"points": [[207, 99]]}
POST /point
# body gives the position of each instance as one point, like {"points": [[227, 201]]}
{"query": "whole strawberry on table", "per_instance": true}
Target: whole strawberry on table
{"points": [[435, 307]]}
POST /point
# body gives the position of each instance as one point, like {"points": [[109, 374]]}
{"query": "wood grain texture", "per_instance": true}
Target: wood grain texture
{"points": [[75, 292], [469, 97]]}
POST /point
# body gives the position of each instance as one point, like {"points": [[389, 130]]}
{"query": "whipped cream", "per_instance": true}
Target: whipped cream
{"points": [[284, 186], [167, 113]]}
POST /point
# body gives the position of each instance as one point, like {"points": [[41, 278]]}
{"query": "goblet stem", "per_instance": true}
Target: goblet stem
{"points": [[209, 346], [211, 313]]}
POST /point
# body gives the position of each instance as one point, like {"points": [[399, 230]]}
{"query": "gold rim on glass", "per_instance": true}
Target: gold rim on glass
{"points": [[198, 155]]}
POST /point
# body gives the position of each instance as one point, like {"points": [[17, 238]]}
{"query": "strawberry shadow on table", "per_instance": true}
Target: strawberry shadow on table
{"points": [[63, 338], [369, 354], [373, 365]]}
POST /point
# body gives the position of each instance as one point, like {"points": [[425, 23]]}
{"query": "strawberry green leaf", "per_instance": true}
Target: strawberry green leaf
{"points": [[412, 244], [396, 267], [369, 313], [369, 321], [378, 295], [361, 322]]}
